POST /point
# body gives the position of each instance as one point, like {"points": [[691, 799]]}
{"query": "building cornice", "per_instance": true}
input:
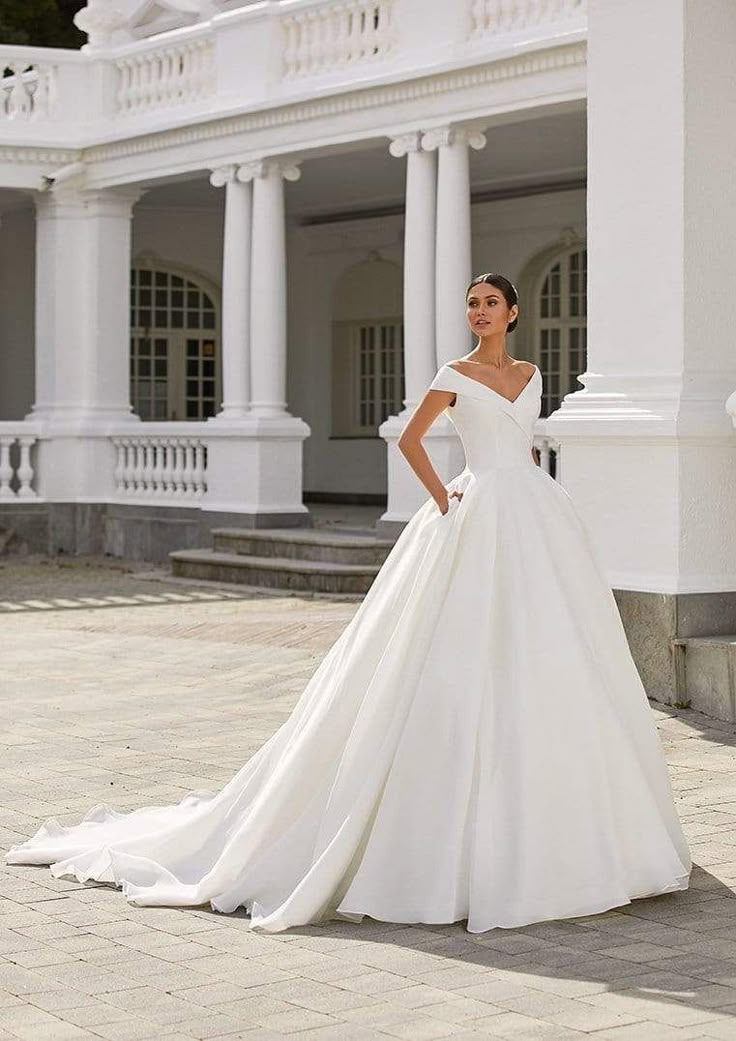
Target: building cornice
{"points": [[28, 154]]}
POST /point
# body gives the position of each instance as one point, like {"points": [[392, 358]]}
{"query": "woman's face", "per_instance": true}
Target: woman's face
{"points": [[487, 311]]}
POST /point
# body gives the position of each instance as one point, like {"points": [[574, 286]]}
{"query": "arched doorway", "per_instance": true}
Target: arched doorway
{"points": [[561, 326], [553, 323], [175, 344]]}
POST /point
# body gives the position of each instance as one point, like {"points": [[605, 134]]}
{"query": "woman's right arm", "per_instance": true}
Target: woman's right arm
{"points": [[410, 443]]}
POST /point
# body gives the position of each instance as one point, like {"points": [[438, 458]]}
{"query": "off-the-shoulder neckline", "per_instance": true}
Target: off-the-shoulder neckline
{"points": [[503, 397]]}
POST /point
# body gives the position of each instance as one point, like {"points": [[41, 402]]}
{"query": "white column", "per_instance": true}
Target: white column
{"points": [[254, 469], [82, 330], [82, 304], [419, 265], [235, 315], [648, 450], [421, 288], [453, 242], [268, 285], [404, 493]]}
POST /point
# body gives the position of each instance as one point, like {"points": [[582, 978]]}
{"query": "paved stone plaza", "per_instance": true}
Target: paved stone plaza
{"points": [[133, 690]]}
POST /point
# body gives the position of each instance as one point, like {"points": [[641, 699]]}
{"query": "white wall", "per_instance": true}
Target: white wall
{"points": [[187, 237]]}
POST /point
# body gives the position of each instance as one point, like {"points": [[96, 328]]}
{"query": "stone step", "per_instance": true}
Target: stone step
{"points": [[705, 668], [318, 545], [288, 573]]}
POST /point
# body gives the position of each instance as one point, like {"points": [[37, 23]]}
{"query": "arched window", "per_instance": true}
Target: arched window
{"points": [[174, 350], [367, 348], [560, 326]]}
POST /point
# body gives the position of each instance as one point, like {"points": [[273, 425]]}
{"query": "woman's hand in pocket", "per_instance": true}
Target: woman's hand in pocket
{"points": [[444, 506]]}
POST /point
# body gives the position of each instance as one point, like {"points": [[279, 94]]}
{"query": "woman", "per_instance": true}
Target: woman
{"points": [[476, 745]]}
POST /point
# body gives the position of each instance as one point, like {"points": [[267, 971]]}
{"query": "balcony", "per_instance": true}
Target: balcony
{"points": [[264, 55]]}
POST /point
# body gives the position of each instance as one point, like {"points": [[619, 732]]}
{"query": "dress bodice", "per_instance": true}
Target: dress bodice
{"points": [[495, 432]]}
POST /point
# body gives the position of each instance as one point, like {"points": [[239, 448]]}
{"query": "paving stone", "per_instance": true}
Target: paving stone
{"points": [[641, 1031], [78, 962], [297, 1019]]}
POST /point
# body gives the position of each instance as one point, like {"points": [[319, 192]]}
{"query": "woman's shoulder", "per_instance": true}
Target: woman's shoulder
{"points": [[444, 378], [527, 366]]}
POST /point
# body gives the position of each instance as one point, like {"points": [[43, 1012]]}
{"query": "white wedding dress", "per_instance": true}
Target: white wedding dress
{"points": [[477, 743]]}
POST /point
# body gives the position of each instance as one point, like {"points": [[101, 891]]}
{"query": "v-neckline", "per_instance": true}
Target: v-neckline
{"points": [[509, 401]]}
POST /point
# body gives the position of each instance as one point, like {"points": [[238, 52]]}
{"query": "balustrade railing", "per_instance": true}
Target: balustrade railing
{"points": [[283, 46], [17, 474], [172, 73], [161, 467], [549, 452], [27, 87], [496, 17], [336, 35]]}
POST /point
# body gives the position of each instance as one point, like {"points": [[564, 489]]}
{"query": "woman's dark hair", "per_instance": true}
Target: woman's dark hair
{"points": [[508, 289]]}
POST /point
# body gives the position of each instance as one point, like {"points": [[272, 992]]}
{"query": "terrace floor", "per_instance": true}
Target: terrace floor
{"points": [[125, 687]]}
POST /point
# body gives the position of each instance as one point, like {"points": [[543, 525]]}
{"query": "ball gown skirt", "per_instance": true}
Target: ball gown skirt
{"points": [[476, 745]]}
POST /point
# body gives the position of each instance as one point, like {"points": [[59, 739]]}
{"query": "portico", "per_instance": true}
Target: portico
{"points": [[202, 397]]}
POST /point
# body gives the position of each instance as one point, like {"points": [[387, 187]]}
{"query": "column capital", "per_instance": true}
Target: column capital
{"points": [[222, 175], [272, 166], [443, 137], [403, 144]]}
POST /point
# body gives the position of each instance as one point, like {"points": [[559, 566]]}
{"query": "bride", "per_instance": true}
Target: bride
{"points": [[475, 746]]}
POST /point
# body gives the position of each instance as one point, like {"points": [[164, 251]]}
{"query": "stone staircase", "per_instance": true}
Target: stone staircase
{"points": [[705, 674], [309, 561]]}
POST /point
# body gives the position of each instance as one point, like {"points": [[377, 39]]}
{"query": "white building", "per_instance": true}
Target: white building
{"points": [[235, 239]]}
